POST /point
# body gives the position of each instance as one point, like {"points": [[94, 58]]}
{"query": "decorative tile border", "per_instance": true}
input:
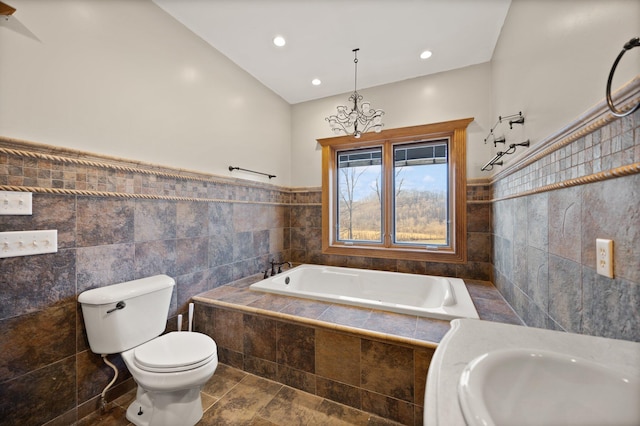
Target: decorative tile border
{"points": [[596, 146], [26, 166]]}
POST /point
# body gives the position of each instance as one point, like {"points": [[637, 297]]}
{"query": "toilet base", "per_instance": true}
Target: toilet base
{"points": [[182, 407]]}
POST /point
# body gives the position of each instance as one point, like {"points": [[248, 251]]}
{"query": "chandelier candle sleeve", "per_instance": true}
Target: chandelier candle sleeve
{"points": [[361, 117]]}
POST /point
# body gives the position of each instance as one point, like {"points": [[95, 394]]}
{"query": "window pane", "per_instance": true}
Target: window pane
{"points": [[359, 196], [421, 188]]}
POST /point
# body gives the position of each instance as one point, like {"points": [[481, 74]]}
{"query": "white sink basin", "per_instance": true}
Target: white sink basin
{"points": [[535, 387]]}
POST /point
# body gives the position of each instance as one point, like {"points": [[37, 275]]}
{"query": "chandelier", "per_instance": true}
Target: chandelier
{"points": [[359, 119]]}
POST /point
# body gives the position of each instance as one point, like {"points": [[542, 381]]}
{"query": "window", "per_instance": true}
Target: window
{"points": [[398, 194]]}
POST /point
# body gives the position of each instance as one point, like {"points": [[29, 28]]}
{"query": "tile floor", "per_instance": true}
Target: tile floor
{"points": [[234, 397]]}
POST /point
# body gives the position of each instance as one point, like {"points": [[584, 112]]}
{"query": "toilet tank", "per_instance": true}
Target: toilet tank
{"points": [[122, 316]]}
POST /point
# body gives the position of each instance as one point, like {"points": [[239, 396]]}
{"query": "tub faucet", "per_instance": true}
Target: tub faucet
{"points": [[279, 265]]}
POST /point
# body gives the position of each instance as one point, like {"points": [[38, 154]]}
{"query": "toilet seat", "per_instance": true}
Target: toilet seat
{"points": [[173, 352]]}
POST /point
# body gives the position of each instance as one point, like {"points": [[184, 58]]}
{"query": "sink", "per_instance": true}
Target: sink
{"points": [[535, 387]]}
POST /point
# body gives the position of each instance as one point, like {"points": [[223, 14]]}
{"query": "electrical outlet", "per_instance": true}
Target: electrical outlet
{"points": [[604, 257], [15, 203]]}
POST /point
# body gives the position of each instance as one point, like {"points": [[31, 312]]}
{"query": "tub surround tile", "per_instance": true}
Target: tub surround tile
{"points": [[260, 367], [228, 327], [387, 369], [392, 323], [389, 408], [296, 378], [306, 308], [479, 217], [260, 337], [431, 330], [338, 357], [350, 316], [419, 330], [295, 346], [339, 392], [332, 367], [421, 362]]}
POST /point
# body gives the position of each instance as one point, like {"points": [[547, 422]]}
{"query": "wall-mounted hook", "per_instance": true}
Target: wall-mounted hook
{"points": [[516, 121], [501, 140]]}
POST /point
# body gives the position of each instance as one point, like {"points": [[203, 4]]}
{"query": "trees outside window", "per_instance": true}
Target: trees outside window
{"points": [[400, 193]]}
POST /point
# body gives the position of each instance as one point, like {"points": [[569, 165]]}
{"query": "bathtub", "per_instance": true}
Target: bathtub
{"points": [[421, 295]]}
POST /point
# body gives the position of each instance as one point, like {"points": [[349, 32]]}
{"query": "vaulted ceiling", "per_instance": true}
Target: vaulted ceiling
{"points": [[321, 34]]}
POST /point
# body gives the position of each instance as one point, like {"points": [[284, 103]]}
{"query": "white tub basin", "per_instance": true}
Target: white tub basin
{"points": [[535, 387]]}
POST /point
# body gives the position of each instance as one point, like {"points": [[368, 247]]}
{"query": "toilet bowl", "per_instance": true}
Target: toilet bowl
{"points": [[170, 369]]}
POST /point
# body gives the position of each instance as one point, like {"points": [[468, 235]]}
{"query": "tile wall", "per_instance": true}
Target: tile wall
{"points": [[119, 220], [113, 225], [386, 379], [547, 215]]}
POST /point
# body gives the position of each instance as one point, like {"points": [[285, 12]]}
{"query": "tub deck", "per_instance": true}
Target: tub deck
{"points": [[381, 325]]}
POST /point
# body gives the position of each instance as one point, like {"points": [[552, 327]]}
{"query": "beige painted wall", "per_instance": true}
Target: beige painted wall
{"points": [[553, 59], [123, 78]]}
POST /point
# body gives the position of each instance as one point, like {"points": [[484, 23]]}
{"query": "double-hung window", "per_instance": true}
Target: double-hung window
{"points": [[396, 194]]}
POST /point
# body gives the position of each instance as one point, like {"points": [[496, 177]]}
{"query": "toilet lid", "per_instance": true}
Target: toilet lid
{"points": [[176, 351]]}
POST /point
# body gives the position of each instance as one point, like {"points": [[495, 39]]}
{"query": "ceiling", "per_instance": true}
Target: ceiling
{"points": [[321, 35]]}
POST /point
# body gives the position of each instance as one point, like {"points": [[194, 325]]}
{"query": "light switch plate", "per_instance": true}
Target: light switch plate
{"points": [[15, 203], [26, 243]]}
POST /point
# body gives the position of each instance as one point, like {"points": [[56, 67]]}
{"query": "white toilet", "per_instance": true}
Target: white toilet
{"points": [[170, 370]]}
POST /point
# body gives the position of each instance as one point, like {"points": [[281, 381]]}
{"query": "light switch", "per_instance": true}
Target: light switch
{"points": [[26, 243], [15, 203]]}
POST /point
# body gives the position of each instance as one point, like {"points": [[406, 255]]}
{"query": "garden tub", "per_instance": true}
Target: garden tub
{"points": [[421, 295]]}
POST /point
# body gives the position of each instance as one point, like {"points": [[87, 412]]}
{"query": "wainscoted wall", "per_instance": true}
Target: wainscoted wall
{"points": [[119, 220], [548, 212], [306, 238], [114, 224]]}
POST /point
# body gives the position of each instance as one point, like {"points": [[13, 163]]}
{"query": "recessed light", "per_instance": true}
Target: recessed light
{"points": [[316, 82], [279, 41], [426, 54]]}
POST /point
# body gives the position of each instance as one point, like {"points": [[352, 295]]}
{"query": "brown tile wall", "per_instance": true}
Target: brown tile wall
{"points": [[306, 244], [383, 378], [119, 220], [545, 228], [48, 375]]}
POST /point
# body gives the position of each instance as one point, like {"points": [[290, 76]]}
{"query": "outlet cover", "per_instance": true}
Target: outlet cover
{"points": [[604, 257]]}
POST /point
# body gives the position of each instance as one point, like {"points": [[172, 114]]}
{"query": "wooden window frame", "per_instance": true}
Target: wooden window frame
{"points": [[456, 252]]}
